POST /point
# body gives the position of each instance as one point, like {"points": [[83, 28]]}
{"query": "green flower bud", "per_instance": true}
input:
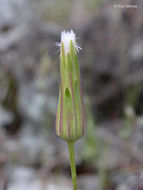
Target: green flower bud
{"points": [[70, 117]]}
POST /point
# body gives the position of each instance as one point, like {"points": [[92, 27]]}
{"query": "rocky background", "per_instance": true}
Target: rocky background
{"points": [[111, 62]]}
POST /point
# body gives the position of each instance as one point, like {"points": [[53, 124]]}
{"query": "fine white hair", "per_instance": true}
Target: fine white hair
{"points": [[66, 38]]}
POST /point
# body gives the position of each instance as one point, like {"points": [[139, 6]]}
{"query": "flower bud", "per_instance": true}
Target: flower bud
{"points": [[70, 117]]}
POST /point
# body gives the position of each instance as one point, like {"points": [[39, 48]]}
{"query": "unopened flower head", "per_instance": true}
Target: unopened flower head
{"points": [[70, 117]]}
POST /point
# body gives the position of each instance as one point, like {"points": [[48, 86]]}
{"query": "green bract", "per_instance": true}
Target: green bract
{"points": [[70, 118]]}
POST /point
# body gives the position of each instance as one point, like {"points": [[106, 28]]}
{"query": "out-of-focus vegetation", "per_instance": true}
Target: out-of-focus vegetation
{"points": [[110, 156]]}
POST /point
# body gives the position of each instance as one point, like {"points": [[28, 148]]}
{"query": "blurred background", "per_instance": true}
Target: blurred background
{"points": [[110, 157]]}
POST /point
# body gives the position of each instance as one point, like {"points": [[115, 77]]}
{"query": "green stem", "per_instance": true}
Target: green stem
{"points": [[72, 163]]}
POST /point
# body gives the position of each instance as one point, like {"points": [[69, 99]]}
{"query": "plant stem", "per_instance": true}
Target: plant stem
{"points": [[72, 163]]}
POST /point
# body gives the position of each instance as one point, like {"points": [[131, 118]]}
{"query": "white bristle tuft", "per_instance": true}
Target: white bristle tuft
{"points": [[66, 38]]}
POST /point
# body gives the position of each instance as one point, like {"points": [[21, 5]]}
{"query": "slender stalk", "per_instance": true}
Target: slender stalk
{"points": [[72, 163]]}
